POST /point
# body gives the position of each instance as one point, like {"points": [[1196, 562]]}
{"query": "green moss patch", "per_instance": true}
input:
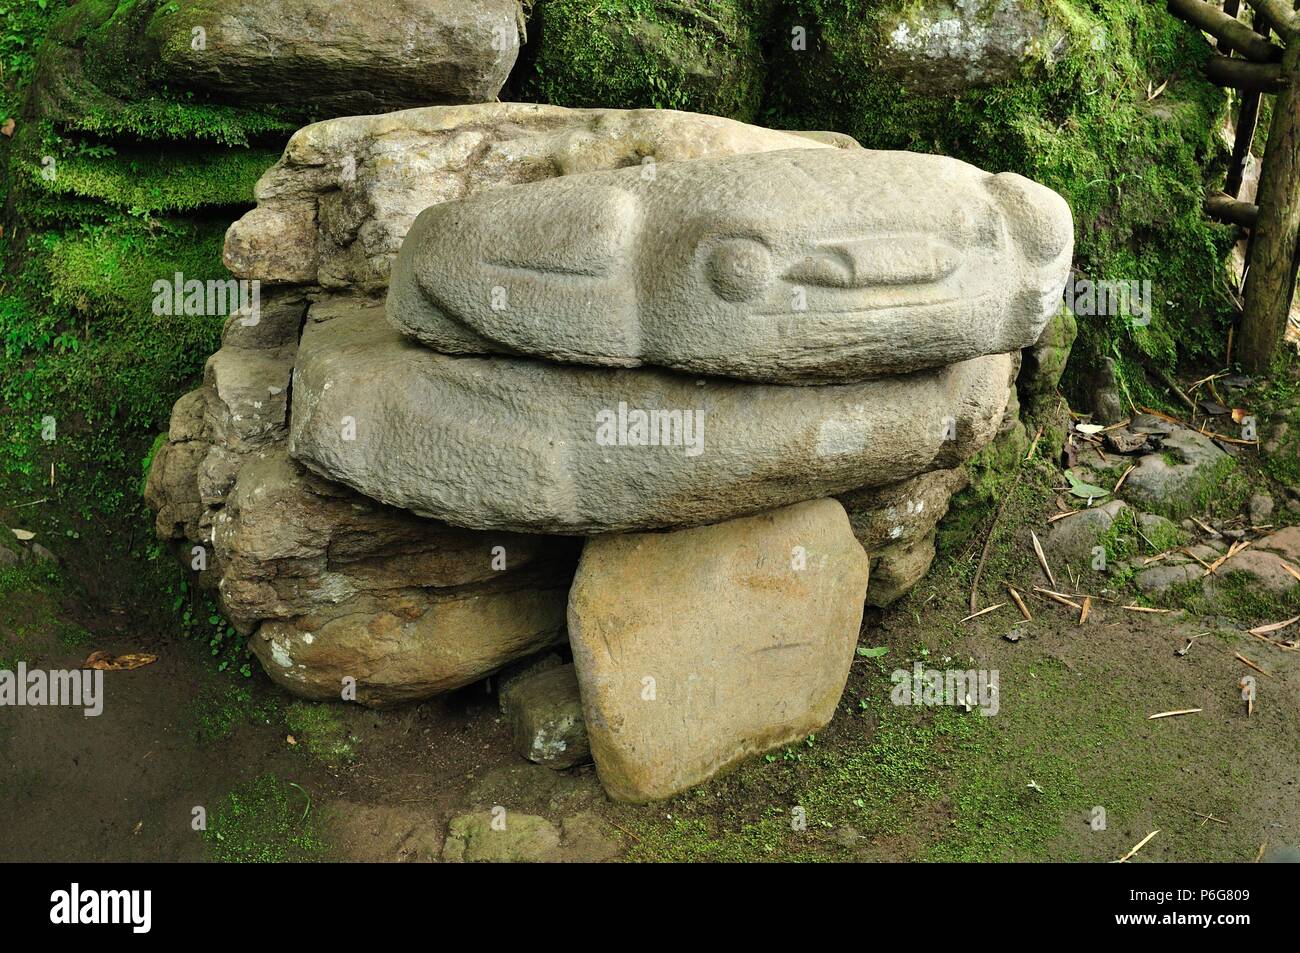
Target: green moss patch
{"points": [[642, 54], [264, 821]]}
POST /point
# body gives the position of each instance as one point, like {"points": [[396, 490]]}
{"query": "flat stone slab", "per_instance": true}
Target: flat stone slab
{"points": [[794, 266], [339, 56], [699, 648], [334, 210], [503, 443]]}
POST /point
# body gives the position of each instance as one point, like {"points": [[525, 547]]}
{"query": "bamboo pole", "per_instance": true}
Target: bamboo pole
{"points": [[1270, 280], [1241, 74], [1226, 29]]}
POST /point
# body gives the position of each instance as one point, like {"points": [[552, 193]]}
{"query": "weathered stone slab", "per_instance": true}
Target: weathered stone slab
{"points": [[339, 56], [896, 526], [795, 266], [535, 447], [698, 648], [410, 644], [334, 210]]}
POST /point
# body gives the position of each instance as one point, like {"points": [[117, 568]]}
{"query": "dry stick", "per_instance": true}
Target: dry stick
{"points": [[1209, 529], [1228, 30], [1138, 846], [1174, 386], [988, 540], [1174, 713], [1087, 607], [1273, 626], [1020, 603], [1034, 446], [1058, 597], [976, 615], [1042, 558], [1246, 661], [1124, 476]]}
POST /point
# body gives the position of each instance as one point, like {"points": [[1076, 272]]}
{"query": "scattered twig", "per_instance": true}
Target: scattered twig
{"points": [[1058, 597], [1042, 558], [1138, 846], [1175, 712], [1060, 516], [1123, 476], [1034, 446], [976, 615], [988, 541], [1247, 661], [1144, 609], [1274, 626], [1087, 607], [1020, 604]]}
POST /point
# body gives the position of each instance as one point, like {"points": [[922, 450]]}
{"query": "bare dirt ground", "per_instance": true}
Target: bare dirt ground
{"points": [[883, 782]]}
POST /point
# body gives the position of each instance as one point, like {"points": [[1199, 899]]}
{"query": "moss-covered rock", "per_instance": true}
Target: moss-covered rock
{"points": [[1043, 364], [687, 54], [1118, 119], [938, 47]]}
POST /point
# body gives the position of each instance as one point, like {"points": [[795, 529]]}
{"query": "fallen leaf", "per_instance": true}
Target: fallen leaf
{"points": [[24, 534], [7, 129], [1089, 429], [107, 662], [291, 739], [1085, 490], [873, 653]]}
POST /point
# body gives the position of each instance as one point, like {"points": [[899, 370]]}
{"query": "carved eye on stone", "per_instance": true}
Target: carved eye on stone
{"points": [[740, 269]]}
